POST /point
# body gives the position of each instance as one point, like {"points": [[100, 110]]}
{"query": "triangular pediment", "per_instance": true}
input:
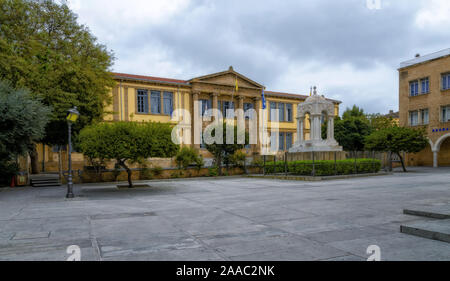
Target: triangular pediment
{"points": [[228, 78]]}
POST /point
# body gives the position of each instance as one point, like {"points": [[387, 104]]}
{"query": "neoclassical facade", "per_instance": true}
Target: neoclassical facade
{"points": [[147, 98]]}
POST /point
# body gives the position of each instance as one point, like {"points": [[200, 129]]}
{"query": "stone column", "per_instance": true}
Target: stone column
{"points": [[435, 159], [330, 128], [300, 126], [259, 124], [197, 125], [315, 127], [241, 102], [240, 119], [215, 105]]}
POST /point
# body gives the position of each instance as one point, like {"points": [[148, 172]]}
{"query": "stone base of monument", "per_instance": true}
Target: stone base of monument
{"points": [[316, 146], [318, 156]]}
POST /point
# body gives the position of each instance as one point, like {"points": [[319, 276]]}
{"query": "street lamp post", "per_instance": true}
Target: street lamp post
{"points": [[72, 117]]}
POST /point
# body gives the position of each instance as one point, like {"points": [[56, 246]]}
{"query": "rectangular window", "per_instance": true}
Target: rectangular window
{"points": [[168, 103], [281, 112], [273, 142], [425, 86], [228, 109], [424, 116], [445, 114], [205, 105], [414, 88], [248, 106], [288, 141], [281, 142], [142, 101], [273, 113], [202, 142], [289, 112], [155, 102], [446, 81], [413, 118]]}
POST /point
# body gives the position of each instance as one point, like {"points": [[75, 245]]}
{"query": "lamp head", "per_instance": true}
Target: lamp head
{"points": [[73, 115]]}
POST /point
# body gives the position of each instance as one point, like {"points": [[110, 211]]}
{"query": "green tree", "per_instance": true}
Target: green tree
{"points": [[44, 49], [221, 149], [351, 133], [378, 121], [355, 111], [351, 130], [127, 142], [396, 140], [22, 122]]}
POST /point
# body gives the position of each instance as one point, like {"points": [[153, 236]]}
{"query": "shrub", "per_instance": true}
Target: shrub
{"points": [[325, 167], [213, 171], [7, 171], [188, 156], [238, 159]]}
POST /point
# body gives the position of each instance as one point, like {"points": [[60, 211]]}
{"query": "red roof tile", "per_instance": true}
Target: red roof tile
{"points": [[147, 78]]}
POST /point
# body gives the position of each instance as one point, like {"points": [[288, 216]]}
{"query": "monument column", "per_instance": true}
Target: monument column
{"points": [[300, 126], [315, 127], [330, 134]]}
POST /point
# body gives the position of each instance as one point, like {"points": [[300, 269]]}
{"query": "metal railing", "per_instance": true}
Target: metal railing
{"points": [[354, 163]]}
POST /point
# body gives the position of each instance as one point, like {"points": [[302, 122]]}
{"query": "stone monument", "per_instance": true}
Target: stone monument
{"points": [[318, 108]]}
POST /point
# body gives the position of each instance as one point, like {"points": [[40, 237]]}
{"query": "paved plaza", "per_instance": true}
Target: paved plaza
{"points": [[233, 218]]}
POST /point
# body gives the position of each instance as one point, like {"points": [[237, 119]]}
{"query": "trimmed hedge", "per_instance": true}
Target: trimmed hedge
{"points": [[326, 167]]}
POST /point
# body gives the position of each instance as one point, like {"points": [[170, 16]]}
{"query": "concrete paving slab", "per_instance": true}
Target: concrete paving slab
{"points": [[436, 230], [435, 211], [225, 219]]}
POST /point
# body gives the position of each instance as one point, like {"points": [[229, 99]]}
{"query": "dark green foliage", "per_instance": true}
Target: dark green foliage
{"points": [[7, 170], [354, 112], [222, 151], [350, 133], [44, 49], [22, 122], [213, 171], [396, 140], [127, 142], [238, 159], [325, 167]]}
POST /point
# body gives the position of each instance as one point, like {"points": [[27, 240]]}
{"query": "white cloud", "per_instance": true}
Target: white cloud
{"points": [[374, 89], [434, 14], [111, 19], [287, 46]]}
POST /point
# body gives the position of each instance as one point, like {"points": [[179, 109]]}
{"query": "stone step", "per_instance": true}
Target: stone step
{"points": [[435, 212], [435, 230], [46, 184], [45, 181]]}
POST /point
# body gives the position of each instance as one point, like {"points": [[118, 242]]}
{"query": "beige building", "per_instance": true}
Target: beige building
{"points": [[425, 103], [146, 98]]}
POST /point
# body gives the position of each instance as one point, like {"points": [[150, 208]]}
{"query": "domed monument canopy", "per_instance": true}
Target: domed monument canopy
{"points": [[317, 107]]}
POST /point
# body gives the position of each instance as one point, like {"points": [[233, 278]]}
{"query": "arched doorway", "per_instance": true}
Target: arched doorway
{"points": [[443, 149]]}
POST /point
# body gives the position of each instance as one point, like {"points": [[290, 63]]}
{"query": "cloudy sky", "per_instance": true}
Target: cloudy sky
{"points": [[350, 49]]}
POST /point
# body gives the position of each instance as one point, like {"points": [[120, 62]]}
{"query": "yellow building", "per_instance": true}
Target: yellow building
{"points": [[145, 98], [424, 99]]}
